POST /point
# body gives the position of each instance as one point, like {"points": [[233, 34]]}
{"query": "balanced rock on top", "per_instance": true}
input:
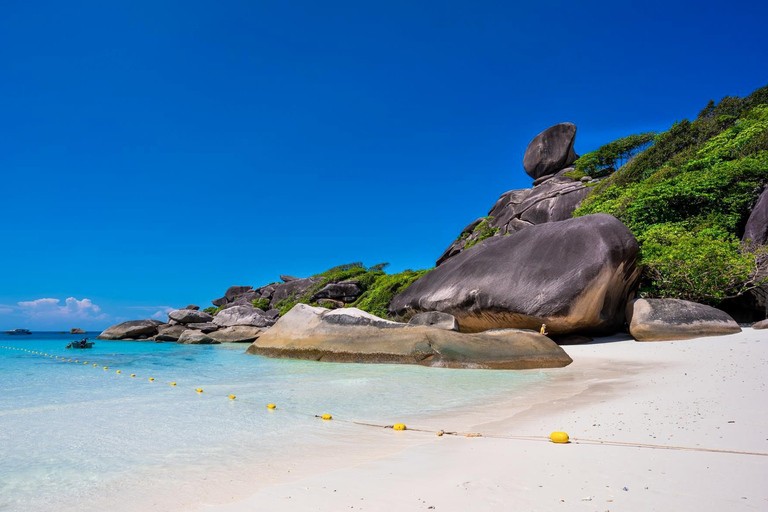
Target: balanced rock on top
{"points": [[550, 151]]}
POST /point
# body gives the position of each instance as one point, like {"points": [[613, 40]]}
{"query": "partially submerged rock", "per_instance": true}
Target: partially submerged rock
{"points": [[674, 319], [352, 335], [194, 337], [133, 329], [76, 330], [575, 275]]}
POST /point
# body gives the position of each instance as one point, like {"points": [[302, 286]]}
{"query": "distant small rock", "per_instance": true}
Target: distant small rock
{"points": [[76, 330]]}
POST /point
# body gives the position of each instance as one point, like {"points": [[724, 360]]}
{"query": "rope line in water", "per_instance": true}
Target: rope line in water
{"points": [[400, 426]]}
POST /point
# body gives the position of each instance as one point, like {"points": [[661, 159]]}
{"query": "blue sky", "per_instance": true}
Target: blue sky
{"points": [[155, 153]]}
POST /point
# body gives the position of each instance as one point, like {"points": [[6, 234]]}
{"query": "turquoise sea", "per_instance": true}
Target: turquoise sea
{"points": [[78, 437]]}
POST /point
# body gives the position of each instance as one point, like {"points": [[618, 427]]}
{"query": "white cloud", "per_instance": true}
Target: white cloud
{"points": [[73, 309], [161, 314], [5, 310]]}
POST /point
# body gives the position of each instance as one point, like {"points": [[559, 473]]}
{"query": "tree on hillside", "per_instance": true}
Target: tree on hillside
{"points": [[613, 155]]}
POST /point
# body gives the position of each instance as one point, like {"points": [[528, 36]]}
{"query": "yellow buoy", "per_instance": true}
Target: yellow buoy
{"points": [[69, 360], [106, 368], [151, 378], [173, 383], [327, 417], [559, 437], [95, 365], [232, 397], [133, 375], [85, 362], [440, 432], [399, 426], [271, 406], [77, 361], [118, 371], [199, 390]]}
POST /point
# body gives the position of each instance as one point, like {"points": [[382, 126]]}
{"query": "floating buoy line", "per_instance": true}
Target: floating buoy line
{"points": [[555, 437]]}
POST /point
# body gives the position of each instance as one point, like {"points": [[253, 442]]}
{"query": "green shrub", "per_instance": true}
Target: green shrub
{"points": [[613, 155], [261, 303], [483, 230], [377, 298], [211, 310]]}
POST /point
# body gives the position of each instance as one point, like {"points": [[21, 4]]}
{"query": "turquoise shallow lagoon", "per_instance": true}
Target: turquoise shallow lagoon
{"points": [[75, 437]]}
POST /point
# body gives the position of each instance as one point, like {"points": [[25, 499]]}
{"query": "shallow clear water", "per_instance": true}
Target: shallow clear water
{"points": [[77, 437]]}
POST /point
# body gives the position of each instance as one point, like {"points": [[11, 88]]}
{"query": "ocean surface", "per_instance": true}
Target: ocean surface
{"points": [[75, 436]]}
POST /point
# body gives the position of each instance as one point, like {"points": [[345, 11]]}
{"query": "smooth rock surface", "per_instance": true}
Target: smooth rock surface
{"points": [[193, 337], [241, 315], [345, 291], [550, 151], [192, 306], [169, 332], [189, 316], [292, 289], [762, 324], [674, 319], [237, 334], [575, 275], [351, 335], [131, 329], [756, 229], [435, 319], [205, 327], [234, 292]]}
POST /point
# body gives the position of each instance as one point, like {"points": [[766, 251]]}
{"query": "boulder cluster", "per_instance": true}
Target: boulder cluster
{"points": [[528, 265]]}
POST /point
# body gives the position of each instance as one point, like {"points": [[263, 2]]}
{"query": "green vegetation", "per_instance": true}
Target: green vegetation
{"points": [[687, 198], [613, 155], [482, 230], [379, 288], [262, 304], [213, 310]]}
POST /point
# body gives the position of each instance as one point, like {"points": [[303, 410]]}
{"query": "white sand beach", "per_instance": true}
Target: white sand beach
{"points": [[707, 393]]}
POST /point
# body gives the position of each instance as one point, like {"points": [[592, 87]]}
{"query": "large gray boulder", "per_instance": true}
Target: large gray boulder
{"points": [[132, 329], [574, 275], [762, 324], [550, 151], [205, 327], [351, 335], [234, 292], [344, 291], [292, 288], [674, 319], [241, 315], [435, 319], [189, 316], [237, 334], [756, 229], [169, 332], [193, 337]]}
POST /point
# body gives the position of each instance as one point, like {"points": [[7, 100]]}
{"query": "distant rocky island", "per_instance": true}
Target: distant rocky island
{"points": [[661, 235]]}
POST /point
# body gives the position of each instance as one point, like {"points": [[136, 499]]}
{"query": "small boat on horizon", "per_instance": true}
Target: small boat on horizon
{"points": [[15, 332]]}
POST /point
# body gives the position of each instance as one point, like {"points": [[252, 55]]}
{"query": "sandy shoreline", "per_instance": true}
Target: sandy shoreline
{"points": [[707, 393]]}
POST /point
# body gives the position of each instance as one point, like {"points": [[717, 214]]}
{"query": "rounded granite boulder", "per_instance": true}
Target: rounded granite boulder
{"points": [[574, 275], [132, 329], [675, 319], [550, 151]]}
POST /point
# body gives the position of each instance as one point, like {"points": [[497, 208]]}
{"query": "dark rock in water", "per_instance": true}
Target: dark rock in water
{"points": [[234, 292], [292, 289], [131, 329], [762, 324], [205, 327], [272, 314], [192, 337], [352, 335], [241, 315], [192, 306], [345, 291], [170, 332], [550, 151], [574, 275], [189, 316], [756, 229], [674, 319], [436, 319], [237, 334], [573, 339], [287, 279], [76, 330]]}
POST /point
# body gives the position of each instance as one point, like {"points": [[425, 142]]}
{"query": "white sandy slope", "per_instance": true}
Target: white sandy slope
{"points": [[702, 393]]}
